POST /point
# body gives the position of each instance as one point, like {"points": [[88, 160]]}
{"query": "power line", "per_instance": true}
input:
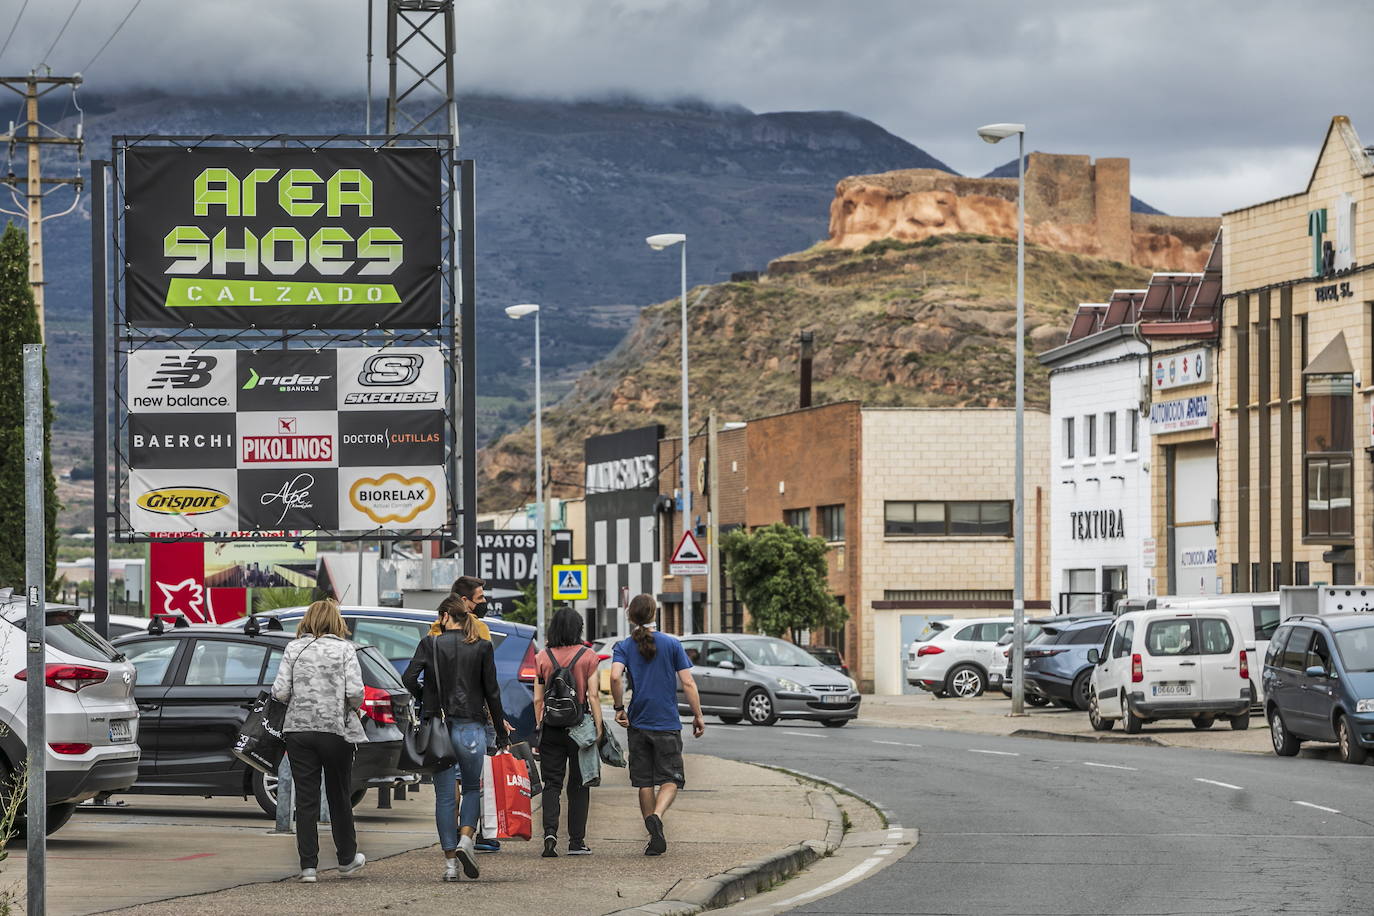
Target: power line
{"points": [[60, 32], [112, 35], [13, 28]]}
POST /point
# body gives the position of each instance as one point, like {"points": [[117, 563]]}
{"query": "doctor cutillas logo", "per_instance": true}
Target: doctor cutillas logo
{"points": [[391, 497], [183, 500]]}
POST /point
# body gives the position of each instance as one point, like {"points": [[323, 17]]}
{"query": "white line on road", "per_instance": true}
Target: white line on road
{"points": [[1318, 807], [896, 743], [977, 750], [854, 874], [1213, 782], [803, 734], [882, 852], [1107, 766]]}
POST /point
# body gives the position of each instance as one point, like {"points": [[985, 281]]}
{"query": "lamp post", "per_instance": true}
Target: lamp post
{"points": [[658, 243], [994, 133], [517, 312]]}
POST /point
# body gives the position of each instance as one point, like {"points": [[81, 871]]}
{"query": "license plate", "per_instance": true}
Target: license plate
{"points": [[1172, 690], [121, 731], [834, 699]]}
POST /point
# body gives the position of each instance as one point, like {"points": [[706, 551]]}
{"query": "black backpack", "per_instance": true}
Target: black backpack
{"points": [[561, 709]]}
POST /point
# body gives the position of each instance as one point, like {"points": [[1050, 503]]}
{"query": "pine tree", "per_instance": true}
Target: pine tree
{"points": [[19, 326]]}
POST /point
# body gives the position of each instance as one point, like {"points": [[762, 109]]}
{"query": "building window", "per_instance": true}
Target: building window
{"points": [[1235, 578], [831, 520], [1090, 436], [1133, 431], [1301, 574], [1110, 430], [988, 518], [1256, 583], [1276, 577], [1068, 438], [1080, 593], [798, 518], [1328, 445]]}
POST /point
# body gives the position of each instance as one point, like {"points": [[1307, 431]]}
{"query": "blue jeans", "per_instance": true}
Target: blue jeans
{"points": [[470, 742]]}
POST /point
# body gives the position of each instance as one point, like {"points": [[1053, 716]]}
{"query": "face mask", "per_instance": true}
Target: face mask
{"points": [[479, 610]]}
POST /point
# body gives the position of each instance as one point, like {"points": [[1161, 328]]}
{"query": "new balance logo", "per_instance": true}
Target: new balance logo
{"points": [[183, 372]]}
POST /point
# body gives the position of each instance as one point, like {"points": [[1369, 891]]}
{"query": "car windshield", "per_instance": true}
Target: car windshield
{"points": [[930, 631], [67, 634], [377, 672], [767, 651], [1356, 648]]}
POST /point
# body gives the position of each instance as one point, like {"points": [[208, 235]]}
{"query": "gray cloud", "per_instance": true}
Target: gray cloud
{"points": [[1218, 104]]}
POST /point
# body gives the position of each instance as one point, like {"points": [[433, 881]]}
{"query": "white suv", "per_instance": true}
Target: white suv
{"points": [[1170, 664], [92, 718], [954, 657]]}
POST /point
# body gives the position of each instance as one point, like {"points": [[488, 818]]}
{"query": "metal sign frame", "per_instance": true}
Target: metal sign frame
{"points": [[457, 259]]}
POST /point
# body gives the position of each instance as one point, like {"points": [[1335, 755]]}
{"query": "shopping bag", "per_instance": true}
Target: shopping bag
{"points": [[488, 825], [260, 742], [510, 790]]}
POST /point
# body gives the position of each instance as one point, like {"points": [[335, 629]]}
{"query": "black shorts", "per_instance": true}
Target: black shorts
{"points": [[655, 758]]}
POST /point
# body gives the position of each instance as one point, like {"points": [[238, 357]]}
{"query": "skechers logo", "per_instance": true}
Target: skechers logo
{"points": [[183, 500], [183, 372], [391, 369]]}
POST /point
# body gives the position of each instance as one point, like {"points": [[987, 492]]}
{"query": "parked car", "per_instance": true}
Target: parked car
{"points": [[1001, 678], [953, 657], [1057, 666], [92, 719], [830, 657], [1319, 684], [762, 679], [397, 631], [1170, 664], [195, 686]]}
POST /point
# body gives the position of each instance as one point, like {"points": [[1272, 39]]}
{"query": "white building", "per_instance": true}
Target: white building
{"points": [[1100, 509]]}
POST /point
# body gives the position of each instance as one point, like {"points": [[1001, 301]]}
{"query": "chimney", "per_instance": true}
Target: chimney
{"points": [[806, 340]]}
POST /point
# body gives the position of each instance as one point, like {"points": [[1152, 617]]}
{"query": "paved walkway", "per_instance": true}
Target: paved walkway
{"points": [[183, 857]]}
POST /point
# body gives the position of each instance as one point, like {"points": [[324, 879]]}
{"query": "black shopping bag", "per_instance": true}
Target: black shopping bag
{"points": [[260, 743]]}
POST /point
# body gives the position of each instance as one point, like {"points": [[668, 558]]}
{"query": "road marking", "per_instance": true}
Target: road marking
{"points": [[976, 750], [883, 852], [802, 734], [1108, 766], [854, 874], [896, 743], [1213, 782], [1318, 807]]}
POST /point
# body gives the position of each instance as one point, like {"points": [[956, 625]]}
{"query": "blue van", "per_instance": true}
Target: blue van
{"points": [[1319, 684]]}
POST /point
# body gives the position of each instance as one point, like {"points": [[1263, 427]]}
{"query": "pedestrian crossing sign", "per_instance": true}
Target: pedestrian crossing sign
{"points": [[570, 583]]}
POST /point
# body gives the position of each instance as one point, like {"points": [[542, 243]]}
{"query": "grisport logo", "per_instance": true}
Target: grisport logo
{"points": [[183, 500], [391, 497]]}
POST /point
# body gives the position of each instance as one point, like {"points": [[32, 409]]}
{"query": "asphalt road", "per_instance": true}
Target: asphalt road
{"points": [[1024, 826]]}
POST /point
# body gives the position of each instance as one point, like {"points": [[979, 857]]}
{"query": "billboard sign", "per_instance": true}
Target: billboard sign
{"points": [[237, 440], [220, 237], [1182, 414]]}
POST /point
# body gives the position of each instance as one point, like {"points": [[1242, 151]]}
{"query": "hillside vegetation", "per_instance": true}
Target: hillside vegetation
{"points": [[928, 324]]}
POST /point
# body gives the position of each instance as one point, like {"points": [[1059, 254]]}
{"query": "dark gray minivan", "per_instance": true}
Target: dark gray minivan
{"points": [[1319, 684]]}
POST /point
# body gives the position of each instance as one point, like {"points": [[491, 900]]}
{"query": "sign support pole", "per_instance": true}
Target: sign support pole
{"points": [[36, 735], [468, 358], [100, 458]]}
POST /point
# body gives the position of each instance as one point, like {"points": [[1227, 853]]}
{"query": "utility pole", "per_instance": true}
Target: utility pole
{"points": [[713, 621], [35, 134]]}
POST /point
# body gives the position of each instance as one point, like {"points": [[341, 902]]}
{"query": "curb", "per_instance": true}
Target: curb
{"points": [[760, 874]]}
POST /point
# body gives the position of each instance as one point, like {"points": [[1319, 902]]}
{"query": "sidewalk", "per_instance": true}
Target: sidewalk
{"points": [[730, 813], [990, 714]]}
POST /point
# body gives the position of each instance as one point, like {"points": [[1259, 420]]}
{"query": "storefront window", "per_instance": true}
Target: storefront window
{"points": [[1328, 442], [1090, 435]]}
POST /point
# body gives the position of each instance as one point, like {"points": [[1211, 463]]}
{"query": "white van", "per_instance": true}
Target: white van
{"points": [[1168, 663]]}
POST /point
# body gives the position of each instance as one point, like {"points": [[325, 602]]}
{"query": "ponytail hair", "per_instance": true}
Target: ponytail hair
{"points": [[452, 608], [643, 611]]}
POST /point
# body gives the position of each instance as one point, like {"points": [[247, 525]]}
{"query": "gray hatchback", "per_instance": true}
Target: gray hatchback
{"points": [[762, 679]]}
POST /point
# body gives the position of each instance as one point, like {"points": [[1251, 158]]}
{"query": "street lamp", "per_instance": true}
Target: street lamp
{"points": [[658, 243], [994, 133], [517, 312]]}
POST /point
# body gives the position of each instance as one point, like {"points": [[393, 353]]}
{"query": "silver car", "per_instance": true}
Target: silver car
{"points": [[762, 679]]}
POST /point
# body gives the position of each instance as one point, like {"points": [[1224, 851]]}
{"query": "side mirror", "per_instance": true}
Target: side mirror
{"points": [[1094, 657], [728, 665], [1315, 671]]}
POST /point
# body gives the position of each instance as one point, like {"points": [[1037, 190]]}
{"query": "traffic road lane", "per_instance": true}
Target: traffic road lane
{"points": [[1025, 826]]}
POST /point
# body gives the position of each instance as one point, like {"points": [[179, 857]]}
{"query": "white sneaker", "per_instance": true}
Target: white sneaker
{"points": [[467, 855], [308, 876], [451, 869], [352, 868]]}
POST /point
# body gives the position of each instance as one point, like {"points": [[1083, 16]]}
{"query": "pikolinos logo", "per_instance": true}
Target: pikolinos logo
{"points": [[183, 500], [391, 497]]}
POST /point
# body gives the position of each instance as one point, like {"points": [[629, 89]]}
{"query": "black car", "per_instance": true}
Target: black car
{"points": [[194, 687], [830, 657]]}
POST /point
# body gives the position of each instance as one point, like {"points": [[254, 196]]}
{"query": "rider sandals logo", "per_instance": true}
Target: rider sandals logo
{"points": [[183, 372], [392, 498], [184, 501], [284, 383]]}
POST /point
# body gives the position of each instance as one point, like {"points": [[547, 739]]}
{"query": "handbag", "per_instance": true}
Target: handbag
{"points": [[428, 747], [260, 743], [612, 754]]}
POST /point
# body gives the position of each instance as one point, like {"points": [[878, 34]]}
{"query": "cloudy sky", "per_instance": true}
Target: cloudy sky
{"points": [[1218, 104]]}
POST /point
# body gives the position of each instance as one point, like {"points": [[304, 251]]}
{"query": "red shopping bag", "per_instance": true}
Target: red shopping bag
{"points": [[510, 786]]}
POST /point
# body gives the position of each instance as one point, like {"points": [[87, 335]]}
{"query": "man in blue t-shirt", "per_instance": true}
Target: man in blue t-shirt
{"points": [[656, 664]]}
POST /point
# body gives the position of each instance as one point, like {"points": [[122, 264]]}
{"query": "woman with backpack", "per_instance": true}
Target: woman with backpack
{"points": [[321, 682], [566, 692], [453, 674]]}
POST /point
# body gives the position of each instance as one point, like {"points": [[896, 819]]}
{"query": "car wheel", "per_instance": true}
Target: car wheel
{"points": [[357, 797], [834, 723], [59, 815], [1201, 723], [1081, 689], [729, 720], [265, 792], [1036, 699], [1285, 745], [1130, 722], [965, 681], [758, 708], [1095, 719], [1241, 722], [1351, 749]]}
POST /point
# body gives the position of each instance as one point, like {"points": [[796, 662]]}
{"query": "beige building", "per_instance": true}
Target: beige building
{"points": [[1296, 375]]}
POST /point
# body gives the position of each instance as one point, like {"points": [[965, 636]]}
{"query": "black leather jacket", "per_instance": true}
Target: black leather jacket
{"points": [[467, 674]]}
